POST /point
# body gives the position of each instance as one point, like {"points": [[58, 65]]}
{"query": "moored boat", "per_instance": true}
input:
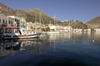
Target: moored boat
{"points": [[20, 33]]}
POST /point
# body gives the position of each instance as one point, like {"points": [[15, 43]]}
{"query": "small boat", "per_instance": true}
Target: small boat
{"points": [[20, 33]]}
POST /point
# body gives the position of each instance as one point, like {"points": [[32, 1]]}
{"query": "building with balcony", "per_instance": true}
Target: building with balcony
{"points": [[17, 21]]}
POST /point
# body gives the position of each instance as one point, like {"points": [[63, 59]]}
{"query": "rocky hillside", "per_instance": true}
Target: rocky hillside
{"points": [[75, 24], [34, 15], [94, 23], [6, 10], [30, 15]]}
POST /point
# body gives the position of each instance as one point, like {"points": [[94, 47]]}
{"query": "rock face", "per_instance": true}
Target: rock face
{"points": [[94, 23]]}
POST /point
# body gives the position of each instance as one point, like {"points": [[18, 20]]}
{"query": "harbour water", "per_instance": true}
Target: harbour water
{"points": [[66, 49]]}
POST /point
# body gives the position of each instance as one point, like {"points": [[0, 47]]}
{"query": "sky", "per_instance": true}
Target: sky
{"points": [[82, 10]]}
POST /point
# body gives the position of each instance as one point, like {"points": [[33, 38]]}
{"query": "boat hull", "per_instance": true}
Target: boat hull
{"points": [[21, 36]]}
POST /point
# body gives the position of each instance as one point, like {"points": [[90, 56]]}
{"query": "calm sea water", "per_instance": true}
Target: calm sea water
{"points": [[67, 49]]}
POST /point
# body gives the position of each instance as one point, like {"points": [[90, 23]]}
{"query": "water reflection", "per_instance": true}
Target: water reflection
{"points": [[38, 45], [11, 46], [54, 49]]}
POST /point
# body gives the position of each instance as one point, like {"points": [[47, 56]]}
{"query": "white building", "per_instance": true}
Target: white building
{"points": [[16, 20], [29, 25], [22, 23], [97, 30], [67, 28], [19, 22], [3, 22], [52, 27]]}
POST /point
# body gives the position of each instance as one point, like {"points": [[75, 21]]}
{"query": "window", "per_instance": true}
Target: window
{"points": [[9, 21], [6, 21], [3, 21]]}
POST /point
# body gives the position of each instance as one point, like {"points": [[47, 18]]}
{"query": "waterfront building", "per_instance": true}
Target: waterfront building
{"points": [[97, 30], [42, 25], [11, 22], [53, 27], [57, 27], [77, 30], [22, 23], [85, 30], [29, 25], [49, 25], [88, 30], [37, 26], [17, 21], [3, 22], [67, 28]]}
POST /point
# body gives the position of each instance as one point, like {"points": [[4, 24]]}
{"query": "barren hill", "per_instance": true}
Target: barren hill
{"points": [[95, 22]]}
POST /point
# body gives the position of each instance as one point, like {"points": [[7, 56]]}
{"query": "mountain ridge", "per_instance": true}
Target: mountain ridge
{"points": [[34, 15]]}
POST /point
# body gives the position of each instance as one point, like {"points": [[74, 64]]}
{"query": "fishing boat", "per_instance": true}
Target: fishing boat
{"points": [[17, 33]]}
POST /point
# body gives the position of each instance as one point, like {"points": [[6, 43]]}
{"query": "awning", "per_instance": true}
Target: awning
{"points": [[11, 26]]}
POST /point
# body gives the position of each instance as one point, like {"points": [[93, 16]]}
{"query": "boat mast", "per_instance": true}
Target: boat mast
{"points": [[40, 21], [54, 19]]}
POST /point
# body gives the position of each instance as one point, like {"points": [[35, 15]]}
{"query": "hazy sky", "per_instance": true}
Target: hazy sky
{"points": [[82, 10]]}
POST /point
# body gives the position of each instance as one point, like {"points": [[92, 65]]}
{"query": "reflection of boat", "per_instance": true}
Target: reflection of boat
{"points": [[20, 33], [14, 41], [15, 45]]}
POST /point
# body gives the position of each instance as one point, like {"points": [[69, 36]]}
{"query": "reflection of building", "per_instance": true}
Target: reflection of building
{"points": [[53, 37], [3, 52]]}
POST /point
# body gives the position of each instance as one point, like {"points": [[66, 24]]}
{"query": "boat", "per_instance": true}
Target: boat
{"points": [[53, 32], [17, 33]]}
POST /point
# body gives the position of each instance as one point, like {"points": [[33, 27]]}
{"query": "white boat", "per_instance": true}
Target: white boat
{"points": [[20, 33], [53, 32]]}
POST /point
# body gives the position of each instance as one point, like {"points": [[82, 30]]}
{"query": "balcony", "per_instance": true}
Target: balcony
{"points": [[4, 24]]}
